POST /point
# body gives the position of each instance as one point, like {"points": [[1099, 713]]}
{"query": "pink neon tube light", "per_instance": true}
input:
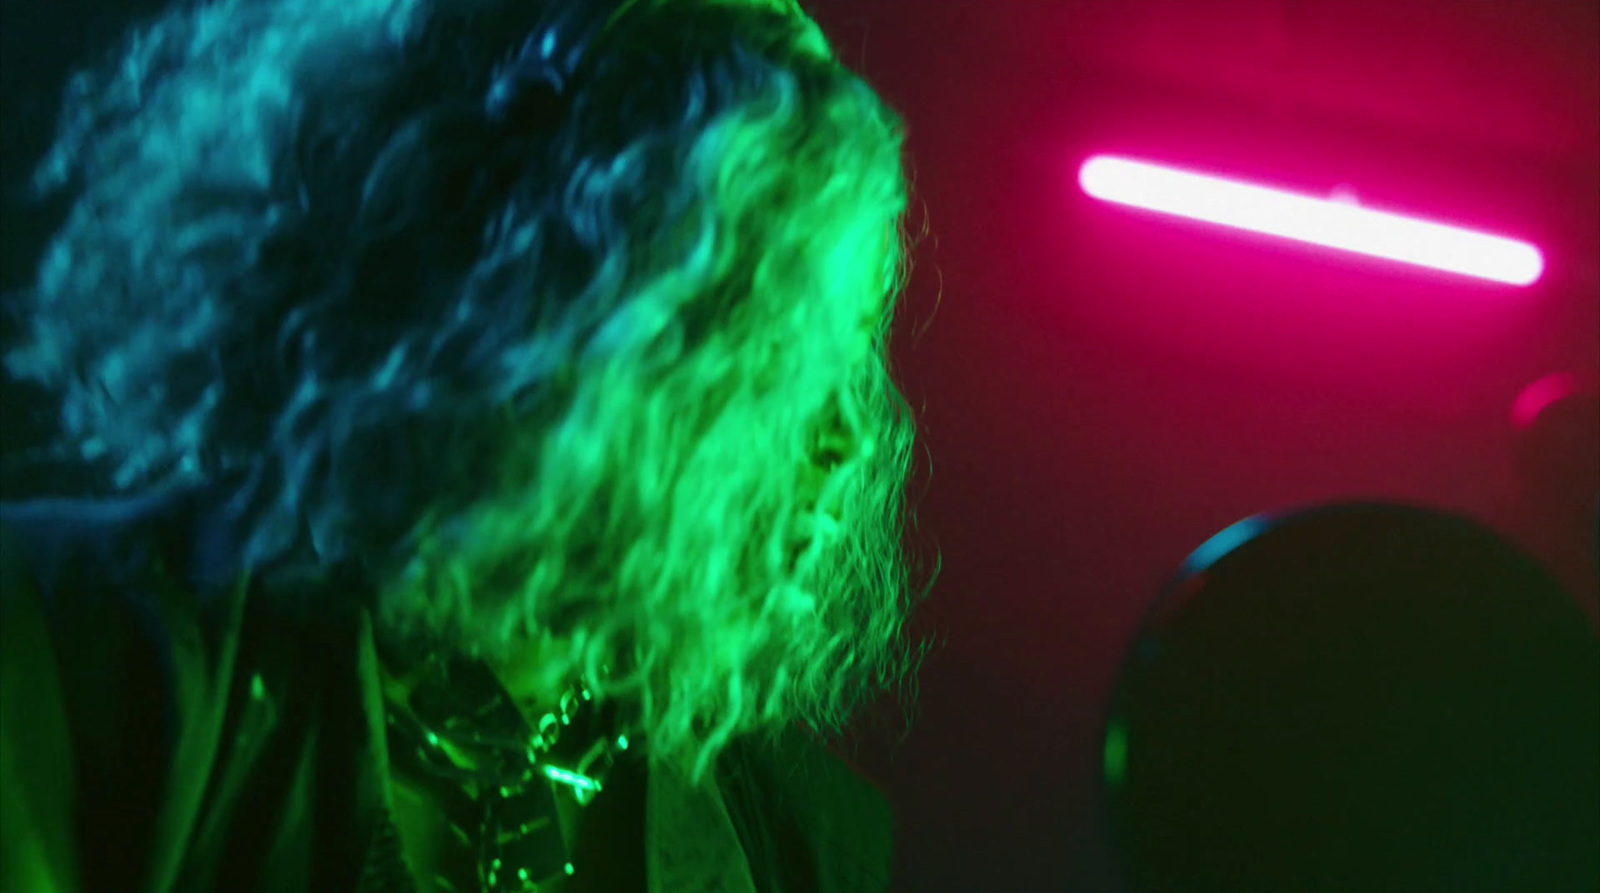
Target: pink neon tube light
{"points": [[1335, 224]]}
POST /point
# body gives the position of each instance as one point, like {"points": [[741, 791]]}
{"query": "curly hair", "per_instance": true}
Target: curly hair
{"points": [[617, 377]]}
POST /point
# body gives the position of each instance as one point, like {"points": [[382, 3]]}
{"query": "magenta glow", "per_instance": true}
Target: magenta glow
{"points": [[1333, 223]]}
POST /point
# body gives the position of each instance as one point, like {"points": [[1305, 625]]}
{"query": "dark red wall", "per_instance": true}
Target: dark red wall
{"points": [[1103, 390]]}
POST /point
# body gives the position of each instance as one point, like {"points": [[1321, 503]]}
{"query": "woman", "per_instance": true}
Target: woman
{"points": [[504, 480]]}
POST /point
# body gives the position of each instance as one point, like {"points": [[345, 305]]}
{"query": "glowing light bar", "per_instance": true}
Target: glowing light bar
{"points": [[1333, 223]]}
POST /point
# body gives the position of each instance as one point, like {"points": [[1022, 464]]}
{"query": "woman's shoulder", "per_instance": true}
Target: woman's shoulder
{"points": [[93, 712], [114, 539]]}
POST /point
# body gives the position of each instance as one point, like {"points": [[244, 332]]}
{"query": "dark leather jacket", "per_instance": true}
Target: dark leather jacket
{"points": [[167, 728]]}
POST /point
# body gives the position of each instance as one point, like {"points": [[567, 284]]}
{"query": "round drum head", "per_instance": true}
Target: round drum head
{"points": [[1358, 698]]}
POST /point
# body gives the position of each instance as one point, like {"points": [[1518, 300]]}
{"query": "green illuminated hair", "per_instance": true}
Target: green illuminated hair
{"points": [[618, 383]]}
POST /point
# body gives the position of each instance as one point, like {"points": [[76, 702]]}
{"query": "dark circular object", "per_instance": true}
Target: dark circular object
{"points": [[1360, 697]]}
